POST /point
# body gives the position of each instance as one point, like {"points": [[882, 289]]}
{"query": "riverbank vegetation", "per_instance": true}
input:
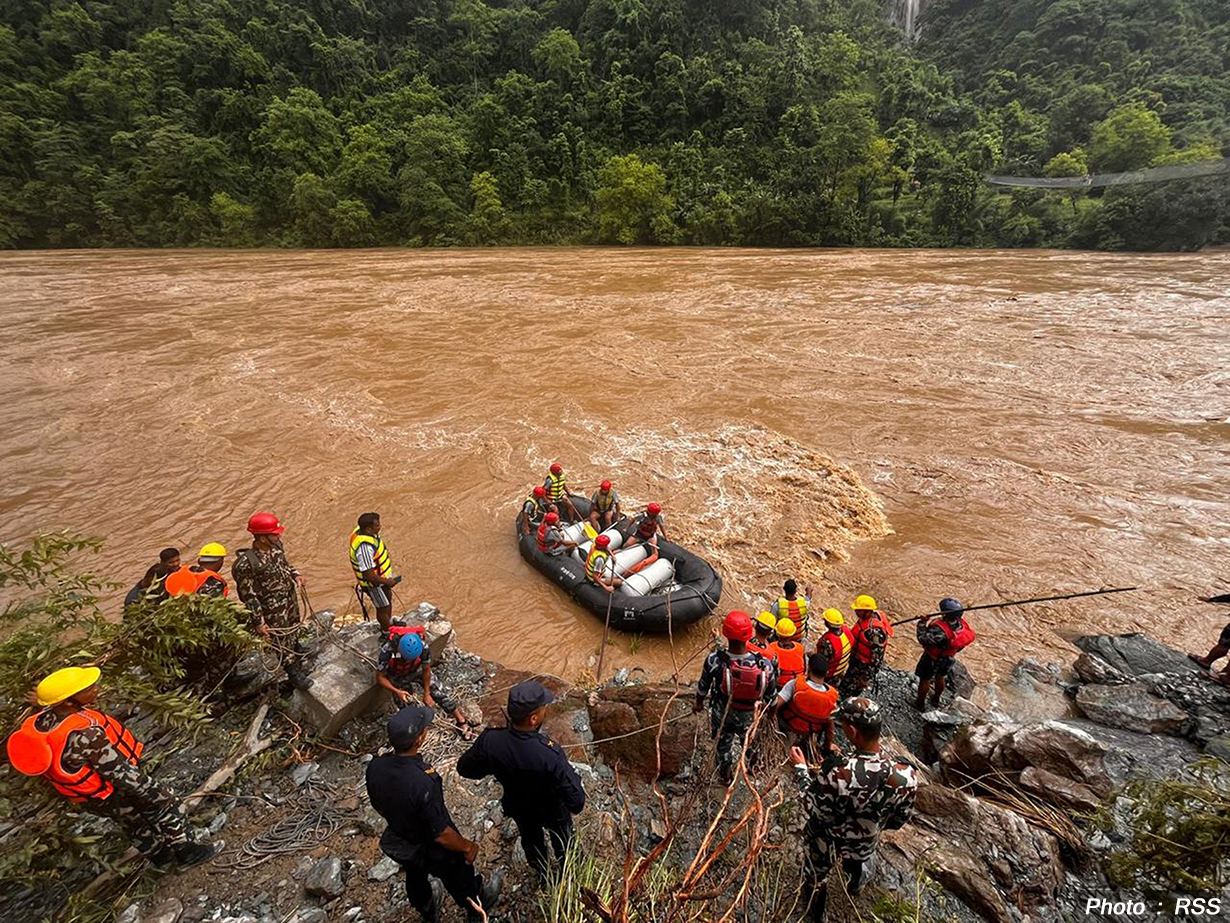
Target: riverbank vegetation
{"points": [[772, 122]]}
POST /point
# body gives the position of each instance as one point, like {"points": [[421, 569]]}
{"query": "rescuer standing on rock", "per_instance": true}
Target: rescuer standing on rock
{"points": [[805, 706], [836, 643], [421, 836], [404, 661], [94, 761], [766, 632], [870, 635], [541, 789], [267, 583], [941, 639], [794, 607], [849, 800], [734, 681], [373, 568], [203, 577]]}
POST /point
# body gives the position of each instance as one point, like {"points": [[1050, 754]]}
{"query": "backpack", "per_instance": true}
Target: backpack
{"points": [[742, 683]]}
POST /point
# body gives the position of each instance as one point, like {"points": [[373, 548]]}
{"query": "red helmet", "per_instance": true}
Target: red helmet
{"points": [[606, 485], [551, 518], [653, 509], [737, 626], [540, 491], [557, 468], [265, 524], [602, 540]]}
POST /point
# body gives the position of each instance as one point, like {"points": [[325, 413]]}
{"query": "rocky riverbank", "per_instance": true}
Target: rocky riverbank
{"points": [[1021, 813]]}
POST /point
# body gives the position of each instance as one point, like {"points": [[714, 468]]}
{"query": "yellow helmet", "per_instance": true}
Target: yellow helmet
{"points": [[66, 683], [834, 617], [212, 550], [865, 602], [785, 628], [767, 619]]}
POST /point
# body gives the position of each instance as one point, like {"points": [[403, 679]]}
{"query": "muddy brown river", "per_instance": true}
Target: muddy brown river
{"points": [[918, 424]]}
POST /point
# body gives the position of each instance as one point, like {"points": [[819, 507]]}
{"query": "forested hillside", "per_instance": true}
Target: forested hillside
{"points": [[768, 122]]}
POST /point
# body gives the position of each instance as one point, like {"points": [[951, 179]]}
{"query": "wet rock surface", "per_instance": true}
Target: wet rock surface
{"points": [[1131, 706], [987, 862]]}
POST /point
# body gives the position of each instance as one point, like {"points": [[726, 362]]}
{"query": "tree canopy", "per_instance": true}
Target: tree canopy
{"points": [[766, 122]]}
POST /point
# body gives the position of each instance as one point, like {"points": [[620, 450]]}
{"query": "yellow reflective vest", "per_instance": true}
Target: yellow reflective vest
{"points": [[557, 486], [381, 555], [596, 563], [795, 610]]}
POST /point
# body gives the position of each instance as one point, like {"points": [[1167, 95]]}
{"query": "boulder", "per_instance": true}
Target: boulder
{"points": [[988, 857], [629, 709], [1128, 754], [1206, 701], [324, 878], [1093, 669], [985, 747], [252, 674], [343, 680], [383, 870], [1136, 654], [1057, 790], [1219, 747], [1131, 706]]}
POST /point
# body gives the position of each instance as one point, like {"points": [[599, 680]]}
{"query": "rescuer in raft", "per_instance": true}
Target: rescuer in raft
{"points": [[556, 486], [941, 639], [645, 528], [373, 569], [203, 577], [94, 761], [536, 506], [598, 569], [550, 537], [604, 509]]}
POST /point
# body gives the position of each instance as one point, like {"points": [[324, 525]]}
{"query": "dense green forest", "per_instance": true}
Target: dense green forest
{"points": [[767, 122]]}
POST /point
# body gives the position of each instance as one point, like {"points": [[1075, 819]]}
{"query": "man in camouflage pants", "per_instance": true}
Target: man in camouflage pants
{"points": [[268, 585], [94, 762], [849, 801]]}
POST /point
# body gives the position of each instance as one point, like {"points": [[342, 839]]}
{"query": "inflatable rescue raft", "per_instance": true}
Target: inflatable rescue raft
{"points": [[640, 603]]}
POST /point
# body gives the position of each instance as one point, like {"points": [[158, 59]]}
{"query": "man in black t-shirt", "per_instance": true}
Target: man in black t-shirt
{"points": [[409, 794]]}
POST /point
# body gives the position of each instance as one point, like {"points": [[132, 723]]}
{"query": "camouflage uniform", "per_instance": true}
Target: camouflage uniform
{"points": [[412, 680], [849, 801], [268, 585], [860, 674], [730, 725], [142, 807]]}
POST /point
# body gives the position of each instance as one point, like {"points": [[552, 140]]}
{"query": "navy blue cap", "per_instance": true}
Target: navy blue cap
{"points": [[525, 698], [407, 724]]}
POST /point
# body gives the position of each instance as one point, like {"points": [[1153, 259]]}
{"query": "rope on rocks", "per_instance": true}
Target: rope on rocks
{"points": [[314, 819]]}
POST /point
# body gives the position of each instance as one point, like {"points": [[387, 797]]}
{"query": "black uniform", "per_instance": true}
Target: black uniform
{"points": [[541, 789], [409, 794]]}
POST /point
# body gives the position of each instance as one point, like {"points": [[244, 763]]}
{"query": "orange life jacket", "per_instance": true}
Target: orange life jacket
{"points": [[809, 710], [36, 752], [958, 639], [840, 644], [189, 579], [791, 661], [765, 649], [864, 652]]}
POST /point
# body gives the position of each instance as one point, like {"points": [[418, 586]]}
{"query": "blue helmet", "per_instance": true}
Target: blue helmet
{"points": [[951, 607], [411, 646]]}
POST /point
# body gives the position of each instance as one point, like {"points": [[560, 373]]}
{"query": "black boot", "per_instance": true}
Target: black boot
{"points": [[190, 854], [431, 913], [488, 895]]}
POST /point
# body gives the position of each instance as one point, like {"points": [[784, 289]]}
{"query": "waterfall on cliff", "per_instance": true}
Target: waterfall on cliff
{"points": [[905, 14]]}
